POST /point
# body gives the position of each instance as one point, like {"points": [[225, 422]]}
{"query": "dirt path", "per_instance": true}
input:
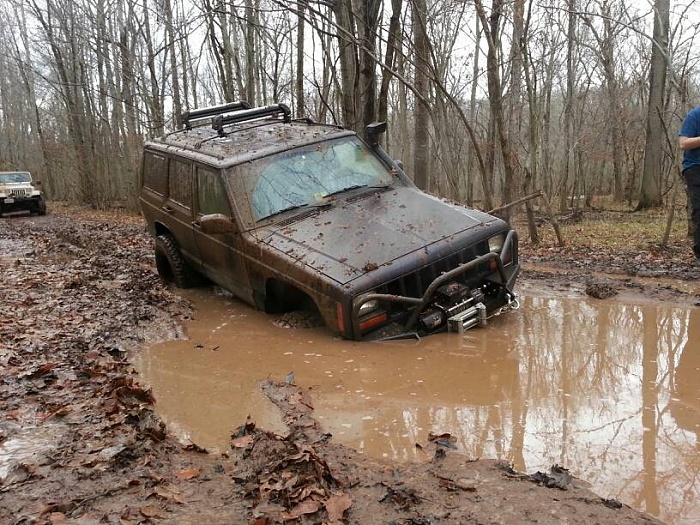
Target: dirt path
{"points": [[81, 441]]}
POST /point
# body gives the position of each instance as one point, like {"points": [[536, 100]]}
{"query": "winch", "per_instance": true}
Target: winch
{"points": [[457, 306]]}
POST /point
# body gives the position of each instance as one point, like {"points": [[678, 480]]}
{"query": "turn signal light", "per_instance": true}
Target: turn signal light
{"points": [[373, 321]]}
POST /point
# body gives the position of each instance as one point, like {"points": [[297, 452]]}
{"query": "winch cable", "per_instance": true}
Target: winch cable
{"points": [[513, 304]]}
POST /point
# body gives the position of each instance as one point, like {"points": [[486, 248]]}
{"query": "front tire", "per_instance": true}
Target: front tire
{"points": [[170, 264]]}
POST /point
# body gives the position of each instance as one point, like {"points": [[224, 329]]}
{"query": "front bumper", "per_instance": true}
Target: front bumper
{"points": [[13, 203], [456, 300]]}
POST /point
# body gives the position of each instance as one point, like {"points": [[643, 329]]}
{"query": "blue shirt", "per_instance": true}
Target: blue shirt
{"points": [[691, 128]]}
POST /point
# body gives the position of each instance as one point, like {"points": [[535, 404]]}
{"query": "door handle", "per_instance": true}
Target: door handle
{"points": [[166, 208]]}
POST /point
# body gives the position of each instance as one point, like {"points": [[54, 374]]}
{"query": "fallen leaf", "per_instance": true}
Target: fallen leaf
{"points": [[168, 494], [242, 442], [336, 506], [193, 447], [57, 518], [150, 511], [305, 507], [188, 473], [109, 453], [40, 371]]}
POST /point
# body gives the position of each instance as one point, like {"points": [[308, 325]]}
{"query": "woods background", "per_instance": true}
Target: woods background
{"points": [[485, 103]]}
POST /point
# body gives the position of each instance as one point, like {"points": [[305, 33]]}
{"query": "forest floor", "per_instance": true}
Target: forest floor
{"points": [[81, 441]]}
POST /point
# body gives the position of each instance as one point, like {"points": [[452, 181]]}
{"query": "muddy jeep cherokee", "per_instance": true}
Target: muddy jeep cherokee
{"points": [[18, 193], [289, 213]]}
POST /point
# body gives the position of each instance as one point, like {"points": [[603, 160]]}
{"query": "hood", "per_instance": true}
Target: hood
{"points": [[9, 185], [372, 229], [17, 188]]}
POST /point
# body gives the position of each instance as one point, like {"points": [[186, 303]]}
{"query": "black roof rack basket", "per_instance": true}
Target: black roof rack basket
{"points": [[219, 121], [187, 117]]}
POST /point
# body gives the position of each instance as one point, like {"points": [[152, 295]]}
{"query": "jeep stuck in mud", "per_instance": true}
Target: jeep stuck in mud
{"points": [[289, 213], [19, 193]]}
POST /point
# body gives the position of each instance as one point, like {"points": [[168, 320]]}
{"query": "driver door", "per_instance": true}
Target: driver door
{"points": [[221, 254]]}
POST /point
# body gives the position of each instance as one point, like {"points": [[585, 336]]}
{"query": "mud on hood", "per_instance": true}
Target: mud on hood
{"points": [[357, 235]]}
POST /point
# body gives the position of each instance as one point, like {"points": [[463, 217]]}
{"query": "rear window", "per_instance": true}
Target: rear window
{"points": [[155, 173], [180, 184]]}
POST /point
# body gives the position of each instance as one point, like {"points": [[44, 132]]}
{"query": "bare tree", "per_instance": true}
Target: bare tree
{"points": [[421, 113], [605, 42], [492, 31], [61, 26], [299, 81], [650, 192]]}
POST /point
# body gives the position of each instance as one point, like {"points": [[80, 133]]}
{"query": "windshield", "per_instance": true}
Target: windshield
{"points": [[14, 177], [307, 176]]}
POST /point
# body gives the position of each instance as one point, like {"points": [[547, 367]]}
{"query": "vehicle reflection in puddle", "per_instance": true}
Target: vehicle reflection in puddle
{"points": [[605, 388]]}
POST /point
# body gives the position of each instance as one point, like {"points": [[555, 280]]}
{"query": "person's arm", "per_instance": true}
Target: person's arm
{"points": [[688, 143]]}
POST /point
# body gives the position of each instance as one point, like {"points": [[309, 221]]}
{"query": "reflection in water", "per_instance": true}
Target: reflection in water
{"points": [[609, 390]]}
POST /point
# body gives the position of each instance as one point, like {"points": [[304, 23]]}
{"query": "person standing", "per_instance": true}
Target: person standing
{"points": [[690, 145]]}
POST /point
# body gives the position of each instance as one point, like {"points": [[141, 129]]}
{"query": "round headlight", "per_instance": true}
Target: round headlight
{"points": [[368, 307], [496, 243]]}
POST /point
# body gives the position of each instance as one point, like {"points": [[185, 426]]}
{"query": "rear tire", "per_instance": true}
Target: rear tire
{"points": [[170, 264]]}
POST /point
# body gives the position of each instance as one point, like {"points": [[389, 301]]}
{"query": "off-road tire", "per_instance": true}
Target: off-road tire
{"points": [[41, 208], [170, 264]]}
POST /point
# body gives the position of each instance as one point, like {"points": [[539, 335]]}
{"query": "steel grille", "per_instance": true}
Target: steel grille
{"points": [[416, 283], [19, 192]]}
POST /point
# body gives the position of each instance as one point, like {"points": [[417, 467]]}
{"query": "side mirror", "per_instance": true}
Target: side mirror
{"points": [[216, 224], [373, 130]]}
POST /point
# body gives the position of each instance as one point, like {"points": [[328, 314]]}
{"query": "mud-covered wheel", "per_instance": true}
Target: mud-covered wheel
{"points": [[41, 208], [171, 266]]}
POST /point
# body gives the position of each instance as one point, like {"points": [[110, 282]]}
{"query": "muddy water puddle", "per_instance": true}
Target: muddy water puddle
{"points": [[608, 389]]}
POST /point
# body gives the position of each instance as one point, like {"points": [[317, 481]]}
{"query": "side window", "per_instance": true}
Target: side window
{"points": [[211, 194], [180, 183], [155, 173]]}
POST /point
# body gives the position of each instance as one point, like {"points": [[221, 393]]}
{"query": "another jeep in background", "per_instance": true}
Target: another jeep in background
{"points": [[289, 213], [19, 193]]}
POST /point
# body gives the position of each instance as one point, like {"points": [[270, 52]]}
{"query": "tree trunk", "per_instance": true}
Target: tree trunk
{"points": [[392, 48], [368, 73], [174, 73], [421, 115], [299, 77], [349, 68], [492, 32], [154, 101], [569, 166], [650, 194], [250, 53]]}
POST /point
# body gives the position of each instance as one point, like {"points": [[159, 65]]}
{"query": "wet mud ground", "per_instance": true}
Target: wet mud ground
{"points": [[82, 439]]}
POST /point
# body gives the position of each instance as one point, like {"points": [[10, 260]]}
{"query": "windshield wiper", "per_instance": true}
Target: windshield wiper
{"points": [[321, 204], [346, 189]]}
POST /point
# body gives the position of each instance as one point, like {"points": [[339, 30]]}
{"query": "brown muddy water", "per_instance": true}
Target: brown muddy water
{"points": [[609, 389]]}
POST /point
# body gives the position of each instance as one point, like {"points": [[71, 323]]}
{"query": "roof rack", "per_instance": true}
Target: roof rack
{"points": [[187, 117], [219, 121]]}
